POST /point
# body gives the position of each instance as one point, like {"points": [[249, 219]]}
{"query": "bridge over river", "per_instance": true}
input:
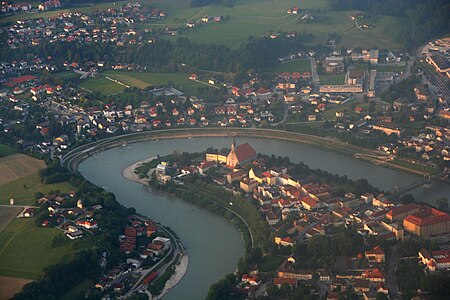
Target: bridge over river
{"points": [[426, 180]]}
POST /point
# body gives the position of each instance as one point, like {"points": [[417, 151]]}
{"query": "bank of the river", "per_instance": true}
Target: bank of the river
{"points": [[181, 267], [73, 157], [180, 270]]}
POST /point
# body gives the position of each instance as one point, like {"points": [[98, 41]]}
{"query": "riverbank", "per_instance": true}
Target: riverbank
{"points": [[180, 270], [181, 267], [75, 156], [129, 173]]}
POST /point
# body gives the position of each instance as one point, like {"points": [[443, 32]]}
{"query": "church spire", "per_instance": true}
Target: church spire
{"points": [[233, 145]]}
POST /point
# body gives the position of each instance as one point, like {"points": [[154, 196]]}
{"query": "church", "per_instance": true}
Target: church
{"points": [[238, 155]]}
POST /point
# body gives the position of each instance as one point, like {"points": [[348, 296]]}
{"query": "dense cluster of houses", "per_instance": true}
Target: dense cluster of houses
{"points": [[144, 247], [114, 25]]}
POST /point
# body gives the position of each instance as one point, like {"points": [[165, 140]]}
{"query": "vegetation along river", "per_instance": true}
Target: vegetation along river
{"points": [[214, 245]]}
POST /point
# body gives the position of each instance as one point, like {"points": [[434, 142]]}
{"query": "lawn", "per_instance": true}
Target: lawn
{"points": [[17, 166], [6, 150], [299, 65], [146, 79], [67, 75], [332, 79], [269, 263], [388, 68], [22, 190], [7, 214], [418, 167], [26, 249], [331, 109], [102, 85]]}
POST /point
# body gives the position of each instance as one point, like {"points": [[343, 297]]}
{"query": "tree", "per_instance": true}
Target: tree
{"points": [[442, 203]]}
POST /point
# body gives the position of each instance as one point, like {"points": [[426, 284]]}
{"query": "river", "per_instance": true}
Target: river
{"points": [[214, 245]]}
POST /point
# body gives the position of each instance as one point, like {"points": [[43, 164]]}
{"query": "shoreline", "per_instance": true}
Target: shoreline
{"points": [[129, 174], [73, 157], [182, 266], [180, 270]]}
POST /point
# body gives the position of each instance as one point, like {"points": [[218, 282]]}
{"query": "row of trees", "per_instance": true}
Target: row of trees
{"points": [[198, 3]]}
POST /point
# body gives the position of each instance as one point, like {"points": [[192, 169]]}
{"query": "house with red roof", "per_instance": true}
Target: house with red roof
{"points": [[376, 255], [429, 221], [435, 260], [374, 275]]}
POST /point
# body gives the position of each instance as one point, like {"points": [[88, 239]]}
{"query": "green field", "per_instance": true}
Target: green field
{"points": [[26, 249], [331, 109], [6, 150], [299, 65], [67, 75], [22, 190], [388, 68], [332, 79], [146, 79], [102, 85], [261, 17], [269, 263]]}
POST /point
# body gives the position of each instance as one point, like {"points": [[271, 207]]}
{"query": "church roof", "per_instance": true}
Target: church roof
{"points": [[245, 152]]}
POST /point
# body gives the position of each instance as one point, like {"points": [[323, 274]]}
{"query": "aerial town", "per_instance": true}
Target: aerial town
{"points": [[299, 208], [77, 79]]}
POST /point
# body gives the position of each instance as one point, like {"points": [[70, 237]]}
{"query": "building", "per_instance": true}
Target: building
{"points": [[376, 255], [343, 88], [295, 274], [439, 62], [354, 77], [427, 222], [435, 260], [372, 83], [285, 242], [240, 155], [388, 129], [400, 212], [216, 157]]}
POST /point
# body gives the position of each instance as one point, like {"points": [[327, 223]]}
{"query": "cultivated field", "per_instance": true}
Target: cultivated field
{"points": [[10, 286], [300, 65], [17, 166], [26, 249], [22, 190], [7, 214]]}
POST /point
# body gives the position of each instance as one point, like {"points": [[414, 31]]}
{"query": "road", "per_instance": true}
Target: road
{"points": [[391, 281], [315, 75], [285, 114]]}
